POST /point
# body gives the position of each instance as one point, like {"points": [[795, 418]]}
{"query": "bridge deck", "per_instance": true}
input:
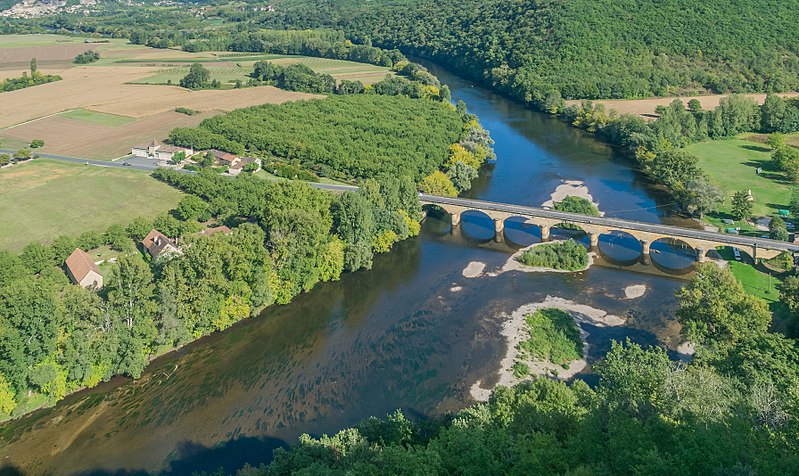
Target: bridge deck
{"points": [[618, 223]]}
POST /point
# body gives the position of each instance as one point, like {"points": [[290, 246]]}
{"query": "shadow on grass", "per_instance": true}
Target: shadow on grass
{"points": [[778, 206], [756, 148], [769, 170]]}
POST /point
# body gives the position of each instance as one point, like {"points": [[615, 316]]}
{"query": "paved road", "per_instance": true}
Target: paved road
{"points": [[138, 165], [668, 230], [673, 231]]}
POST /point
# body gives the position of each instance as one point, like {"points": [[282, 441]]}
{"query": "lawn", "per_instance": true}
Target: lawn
{"points": [[93, 117], [754, 282], [732, 164], [44, 199]]}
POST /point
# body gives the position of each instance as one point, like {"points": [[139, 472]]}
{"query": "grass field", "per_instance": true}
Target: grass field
{"points": [[44, 199], [93, 117], [754, 282], [732, 164], [228, 69]]}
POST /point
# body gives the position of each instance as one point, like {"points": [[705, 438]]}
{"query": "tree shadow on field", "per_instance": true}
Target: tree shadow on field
{"points": [[756, 148], [769, 170]]}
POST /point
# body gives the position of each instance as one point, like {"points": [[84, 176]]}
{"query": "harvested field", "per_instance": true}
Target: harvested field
{"points": [[66, 136], [646, 107], [104, 89], [228, 70], [69, 199]]}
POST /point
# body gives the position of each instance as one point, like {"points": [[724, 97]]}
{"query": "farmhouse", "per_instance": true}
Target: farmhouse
{"points": [[157, 244], [82, 270], [238, 166], [154, 150], [166, 152], [224, 158], [217, 229]]}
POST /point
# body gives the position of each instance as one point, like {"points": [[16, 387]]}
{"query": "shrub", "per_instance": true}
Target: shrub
{"points": [[567, 255], [553, 336], [186, 111]]}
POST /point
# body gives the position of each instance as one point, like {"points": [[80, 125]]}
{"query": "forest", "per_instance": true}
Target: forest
{"points": [[733, 410], [535, 50], [56, 338], [352, 137]]}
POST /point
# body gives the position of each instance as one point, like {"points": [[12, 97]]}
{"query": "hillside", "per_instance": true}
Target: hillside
{"points": [[582, 48]]}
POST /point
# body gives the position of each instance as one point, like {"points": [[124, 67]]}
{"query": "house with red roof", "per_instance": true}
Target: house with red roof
{"points": [[82, 270]]}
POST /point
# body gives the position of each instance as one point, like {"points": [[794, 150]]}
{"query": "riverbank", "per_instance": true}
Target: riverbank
{"points": [[514, 330]]}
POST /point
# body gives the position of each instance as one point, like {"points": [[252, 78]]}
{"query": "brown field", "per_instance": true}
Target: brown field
{"points": [[104, 89], [646, 107], [75, 138], [107, 87]]}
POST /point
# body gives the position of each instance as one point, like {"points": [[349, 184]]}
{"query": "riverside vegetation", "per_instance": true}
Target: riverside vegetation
{"points": [[57, 338], [554, 337], [725, 412], [566, 255]]}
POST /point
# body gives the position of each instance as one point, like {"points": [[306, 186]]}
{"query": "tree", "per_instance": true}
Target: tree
{"points": [[777, 229], [36, 143], [462, 175], [772, 114], [700, 196], [694, 106], [131, 291], [198, 77], [776, 140], [192, 207], [438, 183], [717, 314], [741, 205], [34, 66], [786, 159], [23, 154], [794, 205], [7, 396], [789, 294], [576, 204]]}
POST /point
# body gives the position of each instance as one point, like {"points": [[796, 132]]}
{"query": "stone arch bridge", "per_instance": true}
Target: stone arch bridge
{"points": [[647, 233]]}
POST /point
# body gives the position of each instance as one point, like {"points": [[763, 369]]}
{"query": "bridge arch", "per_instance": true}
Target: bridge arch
{"points": [[519, 231], [570, 231], [477, 225], [674, 254], [619, 247]]}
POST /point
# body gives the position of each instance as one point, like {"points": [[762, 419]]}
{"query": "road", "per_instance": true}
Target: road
{"points": [[673, 231], [668, 230], [139, 165]]}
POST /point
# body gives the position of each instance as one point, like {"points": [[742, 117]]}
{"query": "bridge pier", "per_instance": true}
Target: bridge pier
{"points": [[645, 245], [499, 226], [545, 232], [701, 255], [455, 219], [594, 239]]}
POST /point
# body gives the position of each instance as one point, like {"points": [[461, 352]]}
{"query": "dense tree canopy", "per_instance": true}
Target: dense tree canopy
{"points": [[340, 137], [534, 50]]}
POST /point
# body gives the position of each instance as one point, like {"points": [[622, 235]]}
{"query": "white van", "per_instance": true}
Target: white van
{"points": [[737, 253]]}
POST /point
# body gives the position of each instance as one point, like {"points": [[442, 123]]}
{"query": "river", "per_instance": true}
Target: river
{"points": [[412, 333]]}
